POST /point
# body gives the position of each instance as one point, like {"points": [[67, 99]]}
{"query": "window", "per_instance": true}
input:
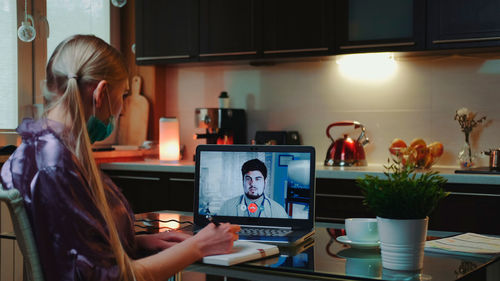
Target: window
{"points": [[84, 17], [8, 65], [22, 65]]}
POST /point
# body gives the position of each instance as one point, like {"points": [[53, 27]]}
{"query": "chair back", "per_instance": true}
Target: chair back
{"points": [[24, 235]]}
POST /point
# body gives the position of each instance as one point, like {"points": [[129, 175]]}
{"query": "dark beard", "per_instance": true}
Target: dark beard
{"points": [[253, 197]]}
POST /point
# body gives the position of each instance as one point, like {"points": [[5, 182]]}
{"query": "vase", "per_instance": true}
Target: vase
{"points": [[466, 158], [402, 243]]}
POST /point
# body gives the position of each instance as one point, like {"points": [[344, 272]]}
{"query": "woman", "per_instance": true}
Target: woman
{"points": [[83, 226]]}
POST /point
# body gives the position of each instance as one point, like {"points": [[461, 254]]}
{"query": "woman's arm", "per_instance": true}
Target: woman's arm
{"points": [[211, 240], [156, 242]]}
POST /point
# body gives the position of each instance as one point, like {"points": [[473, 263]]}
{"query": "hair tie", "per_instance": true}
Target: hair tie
{"points": [[72, 75]]}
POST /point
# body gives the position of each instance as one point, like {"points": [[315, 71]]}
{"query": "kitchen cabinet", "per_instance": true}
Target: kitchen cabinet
{"points": [[227, 29], [463, 23], [169, 31], [155, 191], [177, 31], [166, 31], [468, 208], [338, 199], [384, 25], [296, 27]]}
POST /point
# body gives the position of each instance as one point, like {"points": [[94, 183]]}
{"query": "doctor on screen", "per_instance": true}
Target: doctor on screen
{"points": [[253, 203]]}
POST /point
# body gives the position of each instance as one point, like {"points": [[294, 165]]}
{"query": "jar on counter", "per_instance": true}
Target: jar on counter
{"points": [[223, 100]]}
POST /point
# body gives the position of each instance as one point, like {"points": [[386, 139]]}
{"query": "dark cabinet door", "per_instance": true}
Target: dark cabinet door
{"points": [[166, 30], [383, 25], [296, 27], [339, 199], [463, 23], [468, 208], [227, 29], [181, 191], [155, 191], [142, 190]]}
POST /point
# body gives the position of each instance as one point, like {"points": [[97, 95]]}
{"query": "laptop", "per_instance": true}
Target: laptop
{"points": [[266, 189]]}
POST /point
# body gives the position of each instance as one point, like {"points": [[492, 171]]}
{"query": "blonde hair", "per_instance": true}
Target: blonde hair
{"points": [[77, 64]]}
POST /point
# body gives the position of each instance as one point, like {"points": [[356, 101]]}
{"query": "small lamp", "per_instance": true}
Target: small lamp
{"points": [[169, 139]]}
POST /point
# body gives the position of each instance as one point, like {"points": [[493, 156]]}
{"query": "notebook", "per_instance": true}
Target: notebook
{"points": [[243, 251], [267, 190]]}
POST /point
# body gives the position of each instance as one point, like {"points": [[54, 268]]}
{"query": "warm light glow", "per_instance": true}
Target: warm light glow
{"points": [[169, 139], [169, 225], [368, 67]]}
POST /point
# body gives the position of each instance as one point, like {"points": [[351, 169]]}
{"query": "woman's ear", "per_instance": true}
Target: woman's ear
{"points": [[99, 92]]}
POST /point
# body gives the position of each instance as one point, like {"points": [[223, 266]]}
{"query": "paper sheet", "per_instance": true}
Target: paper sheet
{"points": [[467, 243]]}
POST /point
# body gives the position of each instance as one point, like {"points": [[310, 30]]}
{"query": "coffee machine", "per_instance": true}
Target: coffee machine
{"points": [[222, 125]]}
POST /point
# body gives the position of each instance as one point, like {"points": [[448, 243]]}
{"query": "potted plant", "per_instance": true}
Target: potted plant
{"points": [[402, 202]]}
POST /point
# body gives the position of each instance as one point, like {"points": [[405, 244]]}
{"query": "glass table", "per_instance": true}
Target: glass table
{"points": [[324, 258]]}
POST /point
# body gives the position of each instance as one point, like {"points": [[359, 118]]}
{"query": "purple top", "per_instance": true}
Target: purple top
{"points": [[70, 232]]}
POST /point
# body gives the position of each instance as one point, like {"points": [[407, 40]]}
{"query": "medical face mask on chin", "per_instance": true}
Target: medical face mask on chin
{"points": [[97, 130]]}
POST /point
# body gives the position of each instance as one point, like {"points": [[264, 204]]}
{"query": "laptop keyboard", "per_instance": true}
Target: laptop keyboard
{"points": [[251, 231]]}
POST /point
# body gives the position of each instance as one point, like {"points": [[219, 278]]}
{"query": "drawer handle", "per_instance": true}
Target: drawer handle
{"points": [[339, 196], [331, 219], [481, 39], [163, 57], [228, 54], [475, 194], [136, 178], [295, 51], [181, 179], [377, 45], [8, 235]]}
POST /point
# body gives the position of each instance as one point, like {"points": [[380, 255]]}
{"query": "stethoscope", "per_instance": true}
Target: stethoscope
{"points": [[242, 200]]}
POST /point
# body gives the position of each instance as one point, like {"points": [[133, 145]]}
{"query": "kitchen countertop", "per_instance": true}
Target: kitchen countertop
{"points": [[322, 172], [152, 165]]}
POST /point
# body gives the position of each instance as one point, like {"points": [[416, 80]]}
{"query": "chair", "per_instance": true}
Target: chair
{"points": [[24, 235]]}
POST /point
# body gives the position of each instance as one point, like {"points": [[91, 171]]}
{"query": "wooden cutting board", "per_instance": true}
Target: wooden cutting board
{"points": [[133, 124]]}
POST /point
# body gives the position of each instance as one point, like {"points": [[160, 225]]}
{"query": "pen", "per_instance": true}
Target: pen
{"points": [[212, 220]]}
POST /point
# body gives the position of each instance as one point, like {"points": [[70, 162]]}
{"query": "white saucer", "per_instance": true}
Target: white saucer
{"points": [[358, 245]]}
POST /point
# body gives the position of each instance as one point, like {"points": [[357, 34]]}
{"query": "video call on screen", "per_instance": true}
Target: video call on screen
{"points": [[283, 193]]}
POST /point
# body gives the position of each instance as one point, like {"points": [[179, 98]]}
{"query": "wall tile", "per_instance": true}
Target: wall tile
{"points": [[418, 101]]}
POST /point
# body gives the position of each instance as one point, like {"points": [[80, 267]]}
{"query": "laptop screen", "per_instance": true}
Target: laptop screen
{"points": [[263, 183]]}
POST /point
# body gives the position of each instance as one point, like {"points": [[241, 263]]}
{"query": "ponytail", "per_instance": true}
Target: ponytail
{"points": [[83, 151]]}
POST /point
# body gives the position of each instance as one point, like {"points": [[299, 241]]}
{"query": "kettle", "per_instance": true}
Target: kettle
{"points": [[345, 151], [494, 160]]}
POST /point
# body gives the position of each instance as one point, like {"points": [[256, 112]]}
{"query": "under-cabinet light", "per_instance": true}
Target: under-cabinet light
{"points": [[368, 67]]}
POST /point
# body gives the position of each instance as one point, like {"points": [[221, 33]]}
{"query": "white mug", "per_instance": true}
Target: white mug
{"points": [[362, 229]]}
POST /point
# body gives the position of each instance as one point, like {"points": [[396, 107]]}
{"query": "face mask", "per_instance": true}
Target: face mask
{"points": [[97, 130]]}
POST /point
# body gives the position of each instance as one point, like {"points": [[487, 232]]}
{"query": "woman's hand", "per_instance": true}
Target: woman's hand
{"points": [[211, 240], [214, 240], [160, 241]]}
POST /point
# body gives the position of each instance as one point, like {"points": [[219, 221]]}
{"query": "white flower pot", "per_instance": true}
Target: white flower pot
{"points": [[402, 243]]}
